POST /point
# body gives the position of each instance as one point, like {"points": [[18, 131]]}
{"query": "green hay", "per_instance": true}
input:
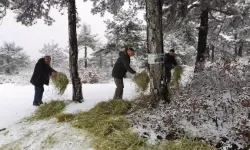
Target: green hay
{"points": [[106, 121], [121, 140], [65, 117], [175, 82], [48, 110], [104, 117], [141, 80], [187, 144], [178, 70], [112, 107], [61, 82]]}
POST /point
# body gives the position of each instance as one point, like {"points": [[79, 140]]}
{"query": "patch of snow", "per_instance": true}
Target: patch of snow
{"points": [[16, 100], [228, 38], [188, 72], [33, 136]]}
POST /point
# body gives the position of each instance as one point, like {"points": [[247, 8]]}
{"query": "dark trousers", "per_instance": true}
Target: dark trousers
{"points": [[168, 75], [119, 88], [38, 95]]}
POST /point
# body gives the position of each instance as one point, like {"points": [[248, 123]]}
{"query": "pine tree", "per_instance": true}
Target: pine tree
{"points": [[53, 50], [86, 40], [4, 4], [13, 58]]}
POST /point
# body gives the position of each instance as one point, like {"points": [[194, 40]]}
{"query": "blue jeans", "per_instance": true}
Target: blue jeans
{"points": [[38, 95]]}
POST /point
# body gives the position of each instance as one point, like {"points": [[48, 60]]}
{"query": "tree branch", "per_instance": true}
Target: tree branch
{"points": [[223, 11], [194, 5], [215, 18]]}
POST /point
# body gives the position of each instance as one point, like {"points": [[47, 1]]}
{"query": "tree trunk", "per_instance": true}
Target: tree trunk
{"points": [[86, 58], [236, 47], [212, 49], [73, 53], [208, 52], [155, 46], [100, 61], [7, 70], [111, 60], [240, 53], [202, 41]]}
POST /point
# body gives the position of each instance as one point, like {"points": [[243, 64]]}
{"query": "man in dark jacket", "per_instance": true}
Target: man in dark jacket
{"points": [[120, 69], [41, 76], [169, 62]]}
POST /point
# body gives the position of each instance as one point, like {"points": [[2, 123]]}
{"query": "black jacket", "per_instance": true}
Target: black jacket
{"points": [[169, 61], [122, 65], [41, 73]]}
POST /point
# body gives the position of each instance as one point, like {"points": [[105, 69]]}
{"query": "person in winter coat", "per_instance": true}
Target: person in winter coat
{"points": [[169, 63], [41, 76], [120, 69]]}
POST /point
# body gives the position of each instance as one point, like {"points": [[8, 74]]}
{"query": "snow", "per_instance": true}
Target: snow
{"points": [[16, 104], [228, 38], [33, 136], [194, 3], [16, 100], [187, 75]]}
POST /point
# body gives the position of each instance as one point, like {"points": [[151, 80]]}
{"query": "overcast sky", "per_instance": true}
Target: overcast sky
{"points": [[33, 38]]}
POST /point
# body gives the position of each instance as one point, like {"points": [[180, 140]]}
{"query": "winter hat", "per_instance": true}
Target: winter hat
{"points": [[172, 50], [131, 49]]}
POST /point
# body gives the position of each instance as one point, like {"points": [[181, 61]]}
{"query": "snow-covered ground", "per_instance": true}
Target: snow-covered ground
{"points": [[16, 104], [16, 100]]}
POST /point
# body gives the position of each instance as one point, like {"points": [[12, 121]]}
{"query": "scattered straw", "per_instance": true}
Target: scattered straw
{"points": [[142, 80], [121, 140], [65, 117], [106, 121], [48, 110], [178, 70], [61, 82]]}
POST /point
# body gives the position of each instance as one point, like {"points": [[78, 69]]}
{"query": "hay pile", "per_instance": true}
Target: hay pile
{"points": [[104, 117], [60, 81], [48, 110], [141, 80], [107, 122]]}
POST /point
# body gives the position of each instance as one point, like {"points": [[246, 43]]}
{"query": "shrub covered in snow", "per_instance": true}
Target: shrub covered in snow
{"points": [[95, 75], [214, 107]]}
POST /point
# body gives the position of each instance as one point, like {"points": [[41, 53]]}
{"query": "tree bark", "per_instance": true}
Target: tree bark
{"points": [[100, 61], [240, 53], [111, 60], [73, 53], [212, 49], [86, 59], [208, 52], [236, 47], [155, 46], [202, 40]]}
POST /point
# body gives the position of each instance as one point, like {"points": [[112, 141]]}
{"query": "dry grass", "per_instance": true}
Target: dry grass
{"points": [[65, 117], [61, 82], [48, 110], [142, 81]]}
